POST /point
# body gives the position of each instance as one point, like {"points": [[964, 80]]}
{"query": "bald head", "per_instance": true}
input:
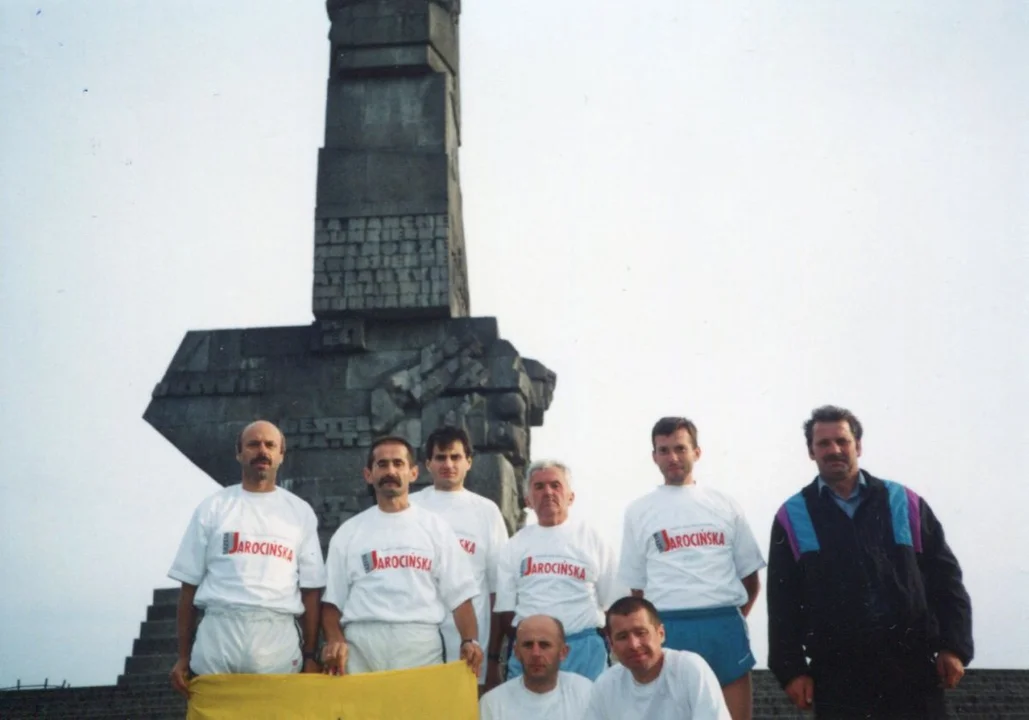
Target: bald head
{"points": [[540, 647], [541, 625], [260, 424]]}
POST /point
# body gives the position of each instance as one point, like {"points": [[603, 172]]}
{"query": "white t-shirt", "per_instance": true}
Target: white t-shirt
{"points": [[566, 571], [511, 701], [402, 567], [481, 531], [688, 547], [252, 549], [686, 689]]}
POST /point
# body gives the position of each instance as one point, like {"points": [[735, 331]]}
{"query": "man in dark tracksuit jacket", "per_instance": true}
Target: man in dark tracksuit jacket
{"points": [[867, 614]]}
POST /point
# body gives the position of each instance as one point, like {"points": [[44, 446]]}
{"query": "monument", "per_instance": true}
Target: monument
{"points": [[392, 349]]}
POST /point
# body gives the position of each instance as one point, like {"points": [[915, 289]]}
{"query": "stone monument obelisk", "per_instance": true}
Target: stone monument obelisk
{"points": [[392, 349]]}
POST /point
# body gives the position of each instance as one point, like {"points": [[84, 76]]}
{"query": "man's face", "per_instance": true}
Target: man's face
{"points": [[392, 471], [448, 466], [539, 649], [549, 496], [675, 456], [260, 453], [835, 451], [636, 641]]}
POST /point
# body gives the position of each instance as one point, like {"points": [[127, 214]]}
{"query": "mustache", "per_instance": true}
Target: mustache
{"points": [[388, 478], [261, 458], [835, 458]]}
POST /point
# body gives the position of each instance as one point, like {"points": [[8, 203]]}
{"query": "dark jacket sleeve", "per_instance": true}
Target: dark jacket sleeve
{"points": [[945, 592], [785, 612]]}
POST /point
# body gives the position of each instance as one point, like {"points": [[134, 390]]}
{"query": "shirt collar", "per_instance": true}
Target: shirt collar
{"points": [[858, 491]]}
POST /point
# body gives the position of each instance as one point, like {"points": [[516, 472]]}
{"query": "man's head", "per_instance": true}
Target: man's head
{"points": [[391, 467], [260, 450], [540, 647], [674, 440], [833, 437], [636, 634], [448, 457], [548, 491]]}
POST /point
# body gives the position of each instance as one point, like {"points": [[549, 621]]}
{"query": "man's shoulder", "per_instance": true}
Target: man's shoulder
{"points": [[498, 695], [574, 682], [219, 498], [683, 661], [643, 502], [609, 679]]}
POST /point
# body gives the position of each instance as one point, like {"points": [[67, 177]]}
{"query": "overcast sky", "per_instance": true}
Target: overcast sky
{"points": [[732, 211]]}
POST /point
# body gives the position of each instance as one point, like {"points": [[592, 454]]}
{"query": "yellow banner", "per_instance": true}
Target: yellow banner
{"points": [[437, 692]]}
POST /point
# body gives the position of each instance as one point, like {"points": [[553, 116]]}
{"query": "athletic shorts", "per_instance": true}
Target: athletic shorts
{"points": [[587, 656], [376, 646], [719, 635], [246, 640]]}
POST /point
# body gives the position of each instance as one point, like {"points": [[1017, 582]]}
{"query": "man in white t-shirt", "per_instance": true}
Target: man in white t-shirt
{"points": [[251, 560], [476, 521], [689, 550], [394, 572], [543, 691], [652, 683], [561, 567]]}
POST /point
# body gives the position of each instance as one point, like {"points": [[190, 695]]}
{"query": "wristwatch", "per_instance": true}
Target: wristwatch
{"points": [[473, 641], [313, 655]]}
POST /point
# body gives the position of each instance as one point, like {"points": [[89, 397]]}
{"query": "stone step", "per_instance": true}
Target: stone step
{"points": [[166, 596], [155, 646], [153, 629], [161, 612], [150, 664]]}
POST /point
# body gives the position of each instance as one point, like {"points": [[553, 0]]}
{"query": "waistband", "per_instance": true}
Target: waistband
{"points": [[588, 632], [698, 613], [247, 612]]}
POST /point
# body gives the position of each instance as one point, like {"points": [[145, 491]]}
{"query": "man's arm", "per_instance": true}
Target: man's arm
{"points": [[496, 638], [785, 617], [947, 599], [185, 621], [752, 583], [312, 600], [334, 654], [468, 629]]}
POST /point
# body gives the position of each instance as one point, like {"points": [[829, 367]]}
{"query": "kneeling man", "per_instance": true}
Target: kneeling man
{"points": [[652, 682], [543, 691]]}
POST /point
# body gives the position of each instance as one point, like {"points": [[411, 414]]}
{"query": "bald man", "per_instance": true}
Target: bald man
{"points": [[542, 691], [250, 559]]}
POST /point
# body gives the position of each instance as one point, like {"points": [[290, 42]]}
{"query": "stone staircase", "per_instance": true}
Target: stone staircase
{"points": [[142, 692]]}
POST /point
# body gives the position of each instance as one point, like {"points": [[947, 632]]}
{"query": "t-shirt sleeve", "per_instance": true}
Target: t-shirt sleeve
{"points": [[337, 580], [632, 566], [497, 541], [310, 564], [453, 572], [486, 708], [190, 564], [609, 588], [705, 694], [745, 552], [599, 705], [507, 591]]}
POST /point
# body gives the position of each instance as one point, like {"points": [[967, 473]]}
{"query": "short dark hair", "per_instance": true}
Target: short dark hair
{"points": [[239, 438], [446, 436], [831, 414], [623, 607], [669, 425], [386, 440]]}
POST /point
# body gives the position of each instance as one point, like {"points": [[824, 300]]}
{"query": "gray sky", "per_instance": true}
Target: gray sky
{"points": [[733, 211]]}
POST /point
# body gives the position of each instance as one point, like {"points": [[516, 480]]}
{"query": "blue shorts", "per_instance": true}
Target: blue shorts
{"points": [[587, 656], [719, 635]]}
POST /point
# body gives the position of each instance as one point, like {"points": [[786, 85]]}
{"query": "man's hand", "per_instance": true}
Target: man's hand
{"points": [[801, 690], [311, 666], [950, 669], [180, 677], [334, 657], [492, 674], [471, 653]]}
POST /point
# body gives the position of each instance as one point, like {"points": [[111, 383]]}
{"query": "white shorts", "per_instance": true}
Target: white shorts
{"points": [[246, 640], [375, 646]]}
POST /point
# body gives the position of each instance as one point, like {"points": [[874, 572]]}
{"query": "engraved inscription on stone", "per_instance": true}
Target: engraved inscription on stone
{"points": [[213, 383], [326, 433], [382, 262]]}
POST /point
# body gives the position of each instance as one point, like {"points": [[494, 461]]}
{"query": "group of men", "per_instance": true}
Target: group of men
{"points": [[868, 616]]}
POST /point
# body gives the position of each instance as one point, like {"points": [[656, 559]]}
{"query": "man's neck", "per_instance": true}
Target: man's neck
{"points": [[449, 488], [650, 675], [393, 504], [845, 487], [688, 480], [258, 486], [552, 523], [543, 685]]}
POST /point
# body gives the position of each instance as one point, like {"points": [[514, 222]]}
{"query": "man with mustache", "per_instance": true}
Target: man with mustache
{"points": [[394, 572], [867, 613], [476, 521], [652, 682], [561, 567], [251, 560], [543, 691], [689, 550]]}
